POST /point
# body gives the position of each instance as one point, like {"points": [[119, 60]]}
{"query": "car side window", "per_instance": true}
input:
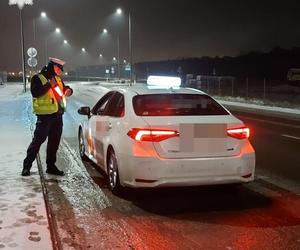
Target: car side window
{"points": [[99, 108], [115, 107]]}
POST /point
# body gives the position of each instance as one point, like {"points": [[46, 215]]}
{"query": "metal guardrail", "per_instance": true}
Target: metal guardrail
{"points": [[95, 78]]}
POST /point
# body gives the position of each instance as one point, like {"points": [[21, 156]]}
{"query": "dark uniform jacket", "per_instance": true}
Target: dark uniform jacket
{"points": [[38, 89]]}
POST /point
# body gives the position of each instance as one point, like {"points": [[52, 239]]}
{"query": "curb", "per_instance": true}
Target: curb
{"points": [[53, 228]]}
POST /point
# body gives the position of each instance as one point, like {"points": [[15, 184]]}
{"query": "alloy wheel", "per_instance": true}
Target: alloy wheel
{"points": [[81, 145], [112, 171]]}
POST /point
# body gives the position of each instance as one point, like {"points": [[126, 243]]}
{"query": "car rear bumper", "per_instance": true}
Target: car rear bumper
{"points": [[157, 172]]}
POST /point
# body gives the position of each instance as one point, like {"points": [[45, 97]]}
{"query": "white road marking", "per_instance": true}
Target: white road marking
{"points": [[282, 183], [290, 136]]}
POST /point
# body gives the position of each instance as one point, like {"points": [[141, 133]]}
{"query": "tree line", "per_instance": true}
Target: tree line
{"points": [[272, 65]]}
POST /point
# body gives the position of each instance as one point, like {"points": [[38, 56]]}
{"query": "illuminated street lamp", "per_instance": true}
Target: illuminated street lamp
{"points": [[43, 16], [57, 31], [119, 12], [21, 4], [83, 49], [118, 48]]}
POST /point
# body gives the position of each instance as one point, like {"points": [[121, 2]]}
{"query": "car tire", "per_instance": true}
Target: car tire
{"points": [[81, 146], [113, 173]]}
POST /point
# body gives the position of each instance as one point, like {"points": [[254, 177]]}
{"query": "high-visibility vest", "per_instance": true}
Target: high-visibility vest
{"points": [[47, 104]]}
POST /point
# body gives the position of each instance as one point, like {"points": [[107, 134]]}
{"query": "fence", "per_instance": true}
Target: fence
{"points": [[262, 90]]}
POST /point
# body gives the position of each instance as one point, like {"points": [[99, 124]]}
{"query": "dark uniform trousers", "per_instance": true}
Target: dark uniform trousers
{"points": [[46, 126]]}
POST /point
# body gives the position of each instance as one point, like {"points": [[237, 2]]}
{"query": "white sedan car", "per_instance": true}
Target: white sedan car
{"points": [[146, 136]]}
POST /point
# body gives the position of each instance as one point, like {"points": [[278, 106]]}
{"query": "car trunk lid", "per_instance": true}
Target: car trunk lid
{"points": [[204, 136]]}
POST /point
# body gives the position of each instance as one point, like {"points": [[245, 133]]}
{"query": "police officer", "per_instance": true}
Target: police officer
{"points": [[49, 103]]}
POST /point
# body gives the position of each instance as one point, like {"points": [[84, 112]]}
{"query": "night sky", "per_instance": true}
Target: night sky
{"points": [[162, 29]]}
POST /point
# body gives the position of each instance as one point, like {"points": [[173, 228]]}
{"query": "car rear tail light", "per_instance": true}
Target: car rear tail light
{"points": [[154, 135], [239, 133]]}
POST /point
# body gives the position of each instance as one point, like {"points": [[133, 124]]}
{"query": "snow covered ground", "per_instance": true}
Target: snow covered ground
{"points": [[23, 217], [264, 108]]}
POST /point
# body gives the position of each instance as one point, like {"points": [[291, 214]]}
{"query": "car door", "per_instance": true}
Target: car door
{"points": [[107, 126], [96, 128]]}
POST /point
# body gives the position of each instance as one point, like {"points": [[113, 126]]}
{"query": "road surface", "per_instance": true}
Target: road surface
{"points": [[262, 215]]}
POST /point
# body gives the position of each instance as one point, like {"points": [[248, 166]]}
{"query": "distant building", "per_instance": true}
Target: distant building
{"points": [[293, 74]]}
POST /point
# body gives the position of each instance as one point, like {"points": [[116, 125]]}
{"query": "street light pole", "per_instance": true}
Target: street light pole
{"points": [[119, 56], [23, 51], [44, 38], [34, 30], [21, 4], [130, 47], [119, 12], [46, 51]]}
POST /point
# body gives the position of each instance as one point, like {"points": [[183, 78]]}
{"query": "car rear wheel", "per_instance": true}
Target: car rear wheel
{"points": [[81, 145], [113, 173]]}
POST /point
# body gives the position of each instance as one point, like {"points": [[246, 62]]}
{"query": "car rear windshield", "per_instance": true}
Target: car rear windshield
{"points": [[176, 105]]}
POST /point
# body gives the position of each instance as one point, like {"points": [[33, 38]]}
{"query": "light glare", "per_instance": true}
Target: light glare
{"points": [[119, 11], [57, 30], [20, 3], [164, 81]]}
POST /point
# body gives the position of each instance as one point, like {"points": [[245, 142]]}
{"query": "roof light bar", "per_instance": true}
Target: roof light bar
{"points": [[164, 81]]}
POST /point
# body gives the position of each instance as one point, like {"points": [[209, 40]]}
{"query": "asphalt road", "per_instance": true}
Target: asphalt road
{"points": [[276, 141], [262, 215]]}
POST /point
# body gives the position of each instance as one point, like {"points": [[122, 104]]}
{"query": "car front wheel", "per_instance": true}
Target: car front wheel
{"points": [[81, 145], [113, 173]]}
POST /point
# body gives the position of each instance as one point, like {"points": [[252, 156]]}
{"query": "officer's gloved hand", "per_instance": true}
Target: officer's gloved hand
{"points": [[68, 92]]}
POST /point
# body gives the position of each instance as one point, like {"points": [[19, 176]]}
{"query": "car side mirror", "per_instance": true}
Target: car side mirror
{"points": [[84, 111]]}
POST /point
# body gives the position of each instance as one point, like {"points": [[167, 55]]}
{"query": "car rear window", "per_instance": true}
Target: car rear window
{"points": [[176, 105]]}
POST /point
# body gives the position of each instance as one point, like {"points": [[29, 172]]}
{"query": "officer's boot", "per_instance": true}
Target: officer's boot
{"points": [[52, 169], [26, 171]]}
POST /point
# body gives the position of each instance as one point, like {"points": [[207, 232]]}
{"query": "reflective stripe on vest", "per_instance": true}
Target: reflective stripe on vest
{"points": [[59, 90], [47, 103]]}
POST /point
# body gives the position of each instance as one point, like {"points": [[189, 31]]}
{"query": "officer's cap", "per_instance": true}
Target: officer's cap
{"points": [[58, 62]]}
